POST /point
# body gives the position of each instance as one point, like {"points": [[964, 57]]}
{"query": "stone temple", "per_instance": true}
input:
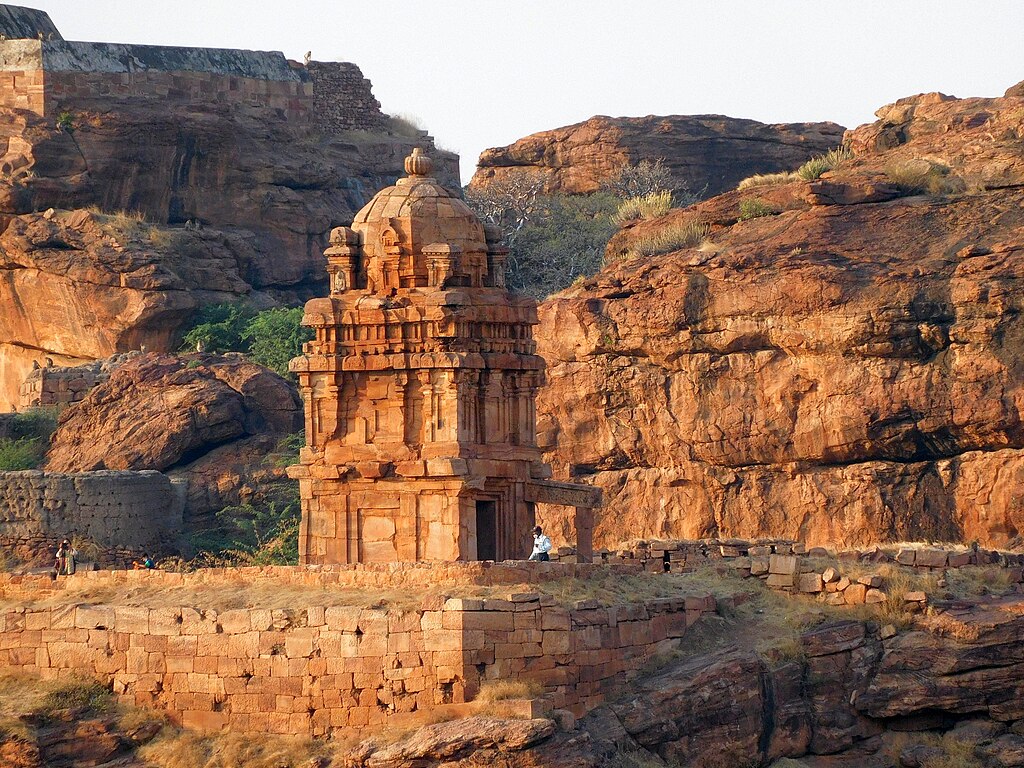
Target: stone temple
{"points": [[419, 391]]}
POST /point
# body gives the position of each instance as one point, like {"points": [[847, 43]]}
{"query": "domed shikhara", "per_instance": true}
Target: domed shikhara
{"points": [[419, 390], [417, 234]]}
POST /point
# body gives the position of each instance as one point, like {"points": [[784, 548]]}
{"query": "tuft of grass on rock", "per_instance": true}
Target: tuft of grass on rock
{"points": [[754, 208], [919, 176], [672, 238], [649, 206], [88, 696], [768, 180], [503, 690], [816, 166]]}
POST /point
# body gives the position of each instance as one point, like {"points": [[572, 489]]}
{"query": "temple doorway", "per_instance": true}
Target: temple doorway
{"points": [[487, 530]]}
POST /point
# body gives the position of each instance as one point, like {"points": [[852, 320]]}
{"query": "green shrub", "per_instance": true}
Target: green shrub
{"points": [[816, 166], [263, 532], [918, 176], [768, 179], [673, 238], [37, 423], [16, 455], [649, 206], [271, 337], [66, 122], [754, 208], [275, 336]]}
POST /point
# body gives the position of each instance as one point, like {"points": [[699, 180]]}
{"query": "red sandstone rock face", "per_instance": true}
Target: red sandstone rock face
{"points": [[209, 419], [266, 193], [847, 371], [701, 150]]}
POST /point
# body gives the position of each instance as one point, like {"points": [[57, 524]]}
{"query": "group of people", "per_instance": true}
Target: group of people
{"points": [[66, 561]]}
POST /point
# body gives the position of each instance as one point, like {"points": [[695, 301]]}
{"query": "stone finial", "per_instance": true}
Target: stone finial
{"points": [[418, 163]]}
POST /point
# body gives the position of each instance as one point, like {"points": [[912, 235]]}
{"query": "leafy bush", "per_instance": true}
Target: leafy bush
{"points": [[20, 454], [754, 208], [768, 179], [674, 238], [28, 436], [275, 336], [649, 206], [271, 337], [66, 122], [816, 166], [919, 176], [566, 239]]}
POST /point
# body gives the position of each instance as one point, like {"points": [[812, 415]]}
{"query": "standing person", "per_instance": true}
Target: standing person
{"points": [[541, 546], [65, 562]]}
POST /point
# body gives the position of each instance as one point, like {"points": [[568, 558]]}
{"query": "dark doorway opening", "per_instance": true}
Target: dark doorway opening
{"points": [[486, 530]]}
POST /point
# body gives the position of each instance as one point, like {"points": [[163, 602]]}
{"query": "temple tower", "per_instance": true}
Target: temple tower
{"points": [[419, 389]]}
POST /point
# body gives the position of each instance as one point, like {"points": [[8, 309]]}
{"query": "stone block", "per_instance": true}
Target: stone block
{"points": [[855, 594], [810, 582], [781, 580], [785, 565], [915, 597], [906, 556], [829, 575], [759, 565], [932, 558], [874, 596], [870, 580]]}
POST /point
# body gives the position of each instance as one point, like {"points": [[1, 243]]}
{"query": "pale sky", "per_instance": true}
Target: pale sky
{"points": [[482, 73]]}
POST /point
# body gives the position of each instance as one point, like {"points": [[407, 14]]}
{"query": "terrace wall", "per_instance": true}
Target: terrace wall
{"points": [[317, 668]]}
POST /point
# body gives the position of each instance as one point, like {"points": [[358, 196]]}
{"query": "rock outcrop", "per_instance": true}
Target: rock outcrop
{"points": [[845, 369], [209, 419], [847, 694], [707, 154]]}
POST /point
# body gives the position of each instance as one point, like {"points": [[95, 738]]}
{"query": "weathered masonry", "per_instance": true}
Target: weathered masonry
{"points": [[318, 668], [420, 391]]}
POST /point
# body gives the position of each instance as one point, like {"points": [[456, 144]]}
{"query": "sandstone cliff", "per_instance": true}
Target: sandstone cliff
{"points": [[845, 369], [265, 193], [704, 152]]}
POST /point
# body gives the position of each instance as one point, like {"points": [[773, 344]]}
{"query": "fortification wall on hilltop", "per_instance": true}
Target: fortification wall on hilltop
{"points": [[119, 511], [310, 670], [53, 76]]}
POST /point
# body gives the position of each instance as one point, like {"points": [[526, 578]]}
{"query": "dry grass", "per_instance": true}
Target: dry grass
{"points": [[174, 748], [921, 176], [649, 206], [672, 238], [768, 180], [492, 691], [816, 166], [950, 751]]}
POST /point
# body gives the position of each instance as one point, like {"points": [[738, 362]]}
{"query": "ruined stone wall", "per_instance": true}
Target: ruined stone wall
{"points": [[314, 669], [119, 511], [59, 386], [342, 99]]}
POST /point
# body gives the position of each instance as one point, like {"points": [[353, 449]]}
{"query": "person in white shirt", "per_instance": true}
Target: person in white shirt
{"points": [[541, 545]]}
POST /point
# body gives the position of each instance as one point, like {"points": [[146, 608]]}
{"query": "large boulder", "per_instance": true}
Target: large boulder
{"points": [[209, 419], [706, 154], [845, 370]]}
